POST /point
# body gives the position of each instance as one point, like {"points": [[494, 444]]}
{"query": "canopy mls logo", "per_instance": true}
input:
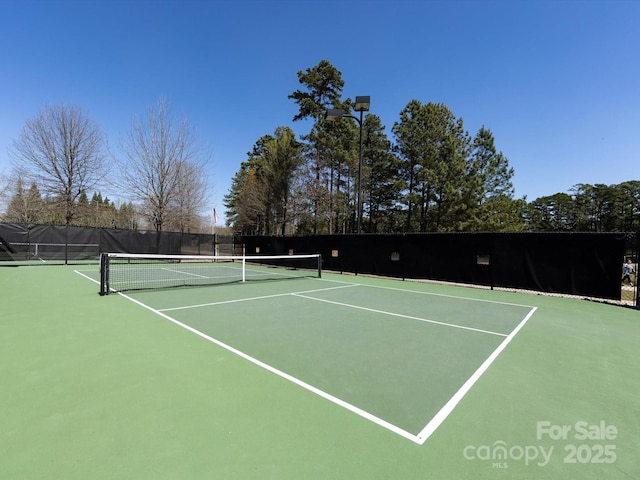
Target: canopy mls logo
{"points": [[578, 443], [500, 454]]}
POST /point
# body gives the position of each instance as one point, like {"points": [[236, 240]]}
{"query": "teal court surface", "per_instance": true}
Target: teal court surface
{"points": [[333, 377]]}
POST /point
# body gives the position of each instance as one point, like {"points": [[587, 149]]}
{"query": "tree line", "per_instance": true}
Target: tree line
{"points": [[27, 205], [431, 176], [588, 208], [60, 158]]}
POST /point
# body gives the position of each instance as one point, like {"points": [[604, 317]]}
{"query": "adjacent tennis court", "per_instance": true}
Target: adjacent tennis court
{"points": [[315, 376]]}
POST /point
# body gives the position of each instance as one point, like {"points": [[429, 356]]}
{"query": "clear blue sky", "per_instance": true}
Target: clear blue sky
{"points": [[557, 82]]}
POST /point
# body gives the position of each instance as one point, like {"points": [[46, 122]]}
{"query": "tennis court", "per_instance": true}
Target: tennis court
{"points": [[312, 377]]}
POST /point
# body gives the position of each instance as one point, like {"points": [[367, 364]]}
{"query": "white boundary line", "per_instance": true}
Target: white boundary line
{"points": [[79, 272], [421, 437], [280, 373], [444, 412]]}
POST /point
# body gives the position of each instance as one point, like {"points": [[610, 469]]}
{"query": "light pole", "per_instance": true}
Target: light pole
{"points": [[333, 115]]}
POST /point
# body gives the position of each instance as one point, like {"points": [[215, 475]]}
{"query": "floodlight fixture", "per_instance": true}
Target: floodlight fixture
{"points": [[334, 115], [362, 104]]}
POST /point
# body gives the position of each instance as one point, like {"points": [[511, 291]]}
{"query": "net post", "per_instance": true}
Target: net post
{"points": [[320, 266], [244, 268], [104, 274]]}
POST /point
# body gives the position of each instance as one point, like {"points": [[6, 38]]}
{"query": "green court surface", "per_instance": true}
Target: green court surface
{"points": [[343, 377]]}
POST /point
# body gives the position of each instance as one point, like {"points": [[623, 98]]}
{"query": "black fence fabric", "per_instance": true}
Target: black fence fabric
{"points": [[22, 242], [584, 264], [49, 242]]}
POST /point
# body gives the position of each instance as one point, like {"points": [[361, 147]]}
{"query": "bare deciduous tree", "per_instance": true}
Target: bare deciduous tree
{"points": [[4, 193], [190, 198], [163, 165], [61, 151]]}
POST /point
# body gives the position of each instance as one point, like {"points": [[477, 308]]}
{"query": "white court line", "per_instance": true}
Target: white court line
{"points": [[79, 272], [286, 376], [444, 412], [420, 438], [172, 270], [263, 297], [392, 314], [457, 297]]}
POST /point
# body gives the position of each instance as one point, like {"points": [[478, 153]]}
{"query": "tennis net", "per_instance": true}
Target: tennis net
{"points": [[129, 271]]}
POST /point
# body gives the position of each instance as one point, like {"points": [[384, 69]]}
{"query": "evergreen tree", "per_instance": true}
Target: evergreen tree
{"points": [[556, 212], [628, 206], [126, 217], [488, 192], [260, 197], [25, 206], [434, 146], [381, 183], [323, 89]]}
